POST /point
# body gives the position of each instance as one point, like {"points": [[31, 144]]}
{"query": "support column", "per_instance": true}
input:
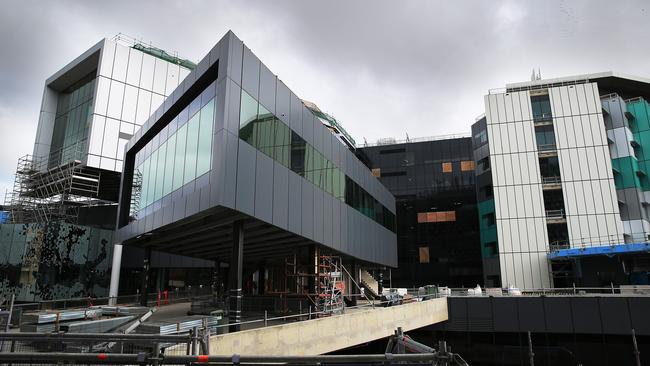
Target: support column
{"points": [[144, 286], [115, 274], [235, 275], [380, 280]]}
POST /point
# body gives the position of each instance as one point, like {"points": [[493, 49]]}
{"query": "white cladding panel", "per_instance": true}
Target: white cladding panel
{"points": [[584, 156], [130, 86]]}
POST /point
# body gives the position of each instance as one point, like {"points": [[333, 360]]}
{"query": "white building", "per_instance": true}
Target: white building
{"points": [[93, 106], [560, 165]]}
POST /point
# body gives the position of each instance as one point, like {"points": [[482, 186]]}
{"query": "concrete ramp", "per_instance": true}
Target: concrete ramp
{"points": [[319, 336]]}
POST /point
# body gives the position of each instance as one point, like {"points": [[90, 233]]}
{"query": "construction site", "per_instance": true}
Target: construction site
{"points": [[175, 212]]}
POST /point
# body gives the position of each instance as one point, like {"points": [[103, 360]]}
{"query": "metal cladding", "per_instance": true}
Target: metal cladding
{"points": [[180, 325], [60, 316], [96, 326]]}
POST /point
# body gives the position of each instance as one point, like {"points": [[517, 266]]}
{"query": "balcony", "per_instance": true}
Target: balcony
{"points": [[555, 216], [551, 183], [542, 119], [546, 150], [559, 245]]}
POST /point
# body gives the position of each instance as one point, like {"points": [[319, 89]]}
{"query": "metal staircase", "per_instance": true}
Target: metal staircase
{"points": [[369, 283]]}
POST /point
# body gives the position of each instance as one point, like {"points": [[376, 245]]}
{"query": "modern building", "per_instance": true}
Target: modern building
{"points": [[432, 179], [57, 240], [561, 182], [234, 168]]}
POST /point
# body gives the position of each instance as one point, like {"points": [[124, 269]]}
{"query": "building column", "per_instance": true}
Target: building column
{"points": [[380, 280], [144, 286], [235, 276], [115, 274]]}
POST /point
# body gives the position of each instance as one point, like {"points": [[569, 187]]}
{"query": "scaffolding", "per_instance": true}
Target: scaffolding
{"points": [[45, 192], [329, 281]]}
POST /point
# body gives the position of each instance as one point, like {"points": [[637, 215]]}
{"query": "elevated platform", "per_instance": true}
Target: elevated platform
{"points": [[608, 250], [324, 335]]}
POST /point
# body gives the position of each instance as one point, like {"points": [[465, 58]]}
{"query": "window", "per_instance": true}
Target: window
{"points": [[269, 135], [376, 172], [484, 163], [447, 167], [395, 174], [424, 254], [440, 216], [545, 137], [183, 156], [489, 219], [491, 249], [466, 166], [480, 138], [541, 106]]}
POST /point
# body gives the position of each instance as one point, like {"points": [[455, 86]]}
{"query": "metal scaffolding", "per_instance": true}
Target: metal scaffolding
{"points": [[46, 191]]}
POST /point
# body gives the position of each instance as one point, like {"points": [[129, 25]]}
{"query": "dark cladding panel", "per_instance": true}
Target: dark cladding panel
{"points": [[235, 58], [295, 203], [479, 314], [318, 215], [232, 99], [531, 314], [558, 314], [343, 221], [615, 315], [307, 209], [230, 172], [336, 224], [506, 315], [280, 195], [639, 313], [327, 219], [586, 316], [246, 178], [264, 188]]}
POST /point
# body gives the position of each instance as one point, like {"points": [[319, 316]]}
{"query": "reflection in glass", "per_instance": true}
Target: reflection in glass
{"points": [[269, 135]]}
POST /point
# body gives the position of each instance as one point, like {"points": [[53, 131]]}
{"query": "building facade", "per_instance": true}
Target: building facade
{"points": [[234, 159], [438, 239], [560, 167], [57, 238]]}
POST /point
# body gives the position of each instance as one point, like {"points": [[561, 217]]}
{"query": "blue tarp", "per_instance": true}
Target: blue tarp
{"points": [[4, 216], [608, 250]]}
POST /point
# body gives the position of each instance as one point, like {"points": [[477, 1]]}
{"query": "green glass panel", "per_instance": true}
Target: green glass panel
{"points": [[179, 160], [153, 173], [160, 171], [169, 165], [247, 117], [191, 150], [205, 139]]}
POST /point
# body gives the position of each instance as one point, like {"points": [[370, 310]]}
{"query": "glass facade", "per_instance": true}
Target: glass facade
{"points": [[72, 120], [436, 208], [264, 131], [182, 153]]}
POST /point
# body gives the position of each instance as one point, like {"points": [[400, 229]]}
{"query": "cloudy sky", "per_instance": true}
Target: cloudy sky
{"points": [[383, 68]]}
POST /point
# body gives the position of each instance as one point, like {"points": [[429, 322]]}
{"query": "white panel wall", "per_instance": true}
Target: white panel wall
{"points": [[520, 215], [131, 85], [587, 180]]}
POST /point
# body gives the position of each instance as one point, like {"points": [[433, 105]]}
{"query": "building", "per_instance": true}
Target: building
{"points": [[57, 239], [561, 182], [233, 167], [438, 240]]}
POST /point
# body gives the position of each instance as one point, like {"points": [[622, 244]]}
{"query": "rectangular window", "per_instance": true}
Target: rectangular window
{"points": [[191, 149], [545, 137], [489, 219], [466, 166], [376, 172], [491, 249], [447, 167], [424, 254], [394, 174], [541, 106], [206, 123], [169, 165], [160, 171], [179, 160]]}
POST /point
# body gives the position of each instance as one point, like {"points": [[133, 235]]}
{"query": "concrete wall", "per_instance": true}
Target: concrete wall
{"points": [[319, 336]]}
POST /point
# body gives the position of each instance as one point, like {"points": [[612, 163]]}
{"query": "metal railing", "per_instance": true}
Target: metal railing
{"points": [[551, 180], [612, 290], [393, 141], [555, 214], [546, 147]]}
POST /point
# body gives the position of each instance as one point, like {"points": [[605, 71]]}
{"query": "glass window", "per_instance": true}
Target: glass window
{"points": [[169, 165], [545, 137], [466, 166], [424, 254], [179, 160], [205, 139], [153, 168], [447, 167], [160, 171], [191, 149], [247, 117], [144, 195], [541, 106]]}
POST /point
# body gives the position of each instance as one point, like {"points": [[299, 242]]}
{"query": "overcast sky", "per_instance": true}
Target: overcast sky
{"points": [[382, 68]]}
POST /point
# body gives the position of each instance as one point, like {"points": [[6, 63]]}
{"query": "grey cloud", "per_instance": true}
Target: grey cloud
{"points": [[383, 68]]}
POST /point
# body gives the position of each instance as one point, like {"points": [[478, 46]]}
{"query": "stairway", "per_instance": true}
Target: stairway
{"points": [[370, 283]]}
